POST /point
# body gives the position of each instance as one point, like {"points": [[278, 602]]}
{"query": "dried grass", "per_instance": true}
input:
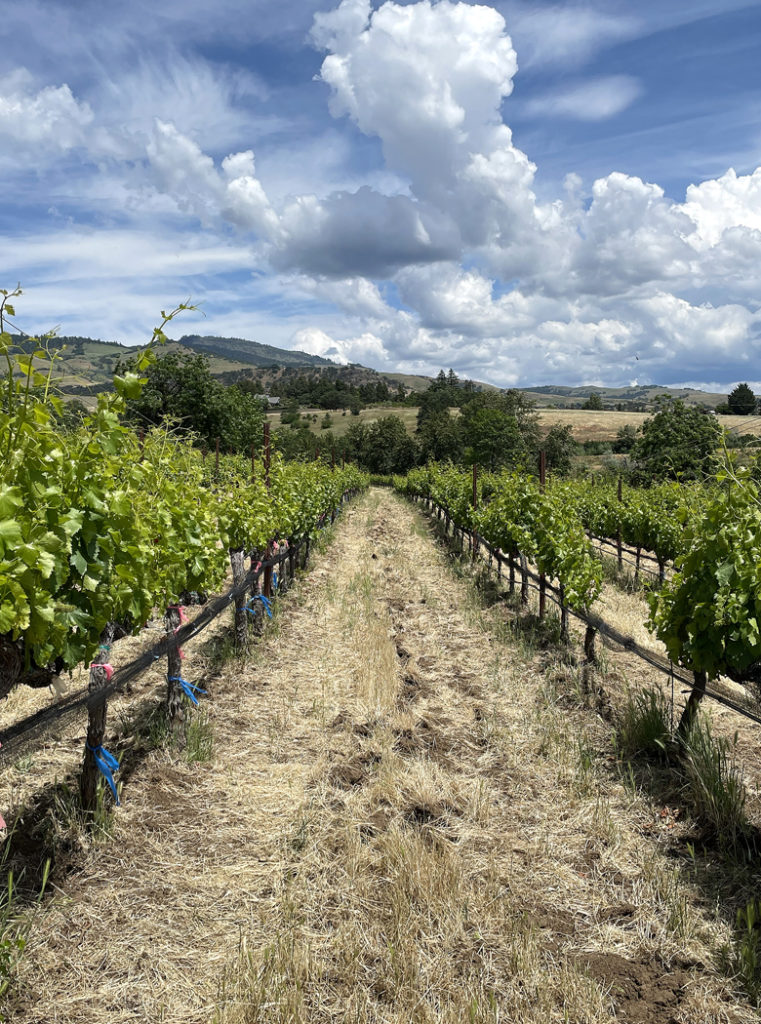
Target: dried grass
{"points": [[401, 822]]}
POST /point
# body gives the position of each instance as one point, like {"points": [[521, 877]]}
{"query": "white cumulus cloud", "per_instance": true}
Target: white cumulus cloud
{"points": [[48, 118]]}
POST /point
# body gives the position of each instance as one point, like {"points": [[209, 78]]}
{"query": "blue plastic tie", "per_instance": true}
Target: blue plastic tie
{"points": [[274, 581], [107, 765], [188, 688], [265, 602]]}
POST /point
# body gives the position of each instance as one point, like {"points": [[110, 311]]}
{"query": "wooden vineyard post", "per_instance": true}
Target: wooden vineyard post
{"points": [[282, 568], [618, 532], [691, 708], [564, 634], [239, 574], [542, 577], [291, 558], [511, 563], [267, 584], [258, 612], [286, 567], [524, 580], [303, 557], [267, 454], [637, 561], [96, 726], [475, 506], [175, 710], [590, 652], [216, 466]]}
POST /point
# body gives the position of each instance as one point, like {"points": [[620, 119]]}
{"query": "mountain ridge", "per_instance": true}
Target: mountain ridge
{"points": [[88, 365]]}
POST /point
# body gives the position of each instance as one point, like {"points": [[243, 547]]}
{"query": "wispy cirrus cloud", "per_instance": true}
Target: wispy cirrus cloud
{"points": [[591, 100]]}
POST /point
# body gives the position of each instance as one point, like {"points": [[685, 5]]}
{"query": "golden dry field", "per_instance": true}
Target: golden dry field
{"points": [[586, 425], [603, 426]]}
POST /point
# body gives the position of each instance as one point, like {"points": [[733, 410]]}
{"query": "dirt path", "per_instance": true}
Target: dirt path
{"points": [[402, 822]]}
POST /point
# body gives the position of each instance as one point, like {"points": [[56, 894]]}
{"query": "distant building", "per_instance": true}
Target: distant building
{"points": [[272, 400]]}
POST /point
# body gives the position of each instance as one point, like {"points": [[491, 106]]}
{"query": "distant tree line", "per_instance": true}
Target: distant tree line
{"points": [[323, 391], [455, 422]]}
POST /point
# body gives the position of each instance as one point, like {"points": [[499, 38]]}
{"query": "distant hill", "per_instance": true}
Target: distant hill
{"points": [[252, 353], [638, 395], [86, 366]]}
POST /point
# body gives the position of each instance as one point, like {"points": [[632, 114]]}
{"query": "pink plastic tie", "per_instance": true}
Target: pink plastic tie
{"points": [[181, 610]]}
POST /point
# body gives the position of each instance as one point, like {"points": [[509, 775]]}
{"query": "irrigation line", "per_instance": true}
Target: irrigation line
{"points": [[610, 632], [18, 735]]}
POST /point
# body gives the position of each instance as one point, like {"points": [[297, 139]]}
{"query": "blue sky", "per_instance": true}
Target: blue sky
{"points": [[528, 192]]}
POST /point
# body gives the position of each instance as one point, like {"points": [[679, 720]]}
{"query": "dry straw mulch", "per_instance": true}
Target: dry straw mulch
{"points": [[402, 822]]}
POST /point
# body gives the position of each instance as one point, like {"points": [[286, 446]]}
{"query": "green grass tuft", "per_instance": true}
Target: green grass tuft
{"points": [[643, 728], [714, 785]]}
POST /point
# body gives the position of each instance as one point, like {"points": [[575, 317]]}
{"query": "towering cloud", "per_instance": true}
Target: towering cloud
{"points": [[445, 250]]}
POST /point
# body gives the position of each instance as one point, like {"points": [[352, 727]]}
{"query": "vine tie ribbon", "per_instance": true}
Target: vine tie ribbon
{"points": [[265, 603], [107, 765], [189, 689]]}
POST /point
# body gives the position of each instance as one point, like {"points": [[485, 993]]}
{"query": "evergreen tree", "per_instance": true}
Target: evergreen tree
{"points": [[741, 401]]}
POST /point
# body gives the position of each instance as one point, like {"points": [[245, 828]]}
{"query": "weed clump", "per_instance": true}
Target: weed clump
{"points": [[745, 959], [643, 728], [714, 784]]}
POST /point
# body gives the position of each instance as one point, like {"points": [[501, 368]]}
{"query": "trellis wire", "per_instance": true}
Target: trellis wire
{"points": [[19, 735], [606, 630]]}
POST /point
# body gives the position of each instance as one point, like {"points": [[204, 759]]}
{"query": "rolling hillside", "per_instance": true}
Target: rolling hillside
{"points": [[637, 395], [86, 366]]}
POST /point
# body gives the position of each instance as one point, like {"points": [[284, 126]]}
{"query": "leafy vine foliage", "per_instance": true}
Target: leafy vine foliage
{"points": [[709, 613], [514, 514], [99, 526]]}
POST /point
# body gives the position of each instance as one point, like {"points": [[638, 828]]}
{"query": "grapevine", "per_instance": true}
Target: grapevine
{"points": [[99, 526]]}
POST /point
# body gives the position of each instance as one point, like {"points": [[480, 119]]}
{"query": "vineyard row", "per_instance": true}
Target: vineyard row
{"points": [[707, 624], [251, 596]]}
